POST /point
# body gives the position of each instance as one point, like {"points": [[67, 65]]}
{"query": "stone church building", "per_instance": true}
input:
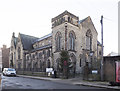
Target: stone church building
{"points": [[78, 37]]}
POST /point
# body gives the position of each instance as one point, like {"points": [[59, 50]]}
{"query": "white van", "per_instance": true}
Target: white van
{"points": [[9, 72]]}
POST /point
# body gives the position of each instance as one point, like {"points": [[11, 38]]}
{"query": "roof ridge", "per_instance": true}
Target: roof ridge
{"points": [[27, 35], [44, 37]]}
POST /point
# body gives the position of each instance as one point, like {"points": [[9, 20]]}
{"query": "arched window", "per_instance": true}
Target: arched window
{"points": [[68, 19], [48, 53], [11, 61], [80, 63], [19, 51], [40, 65], [35, 65], [58, 65], [48, 63], [72, 65], [40, 55], [29, 66], [89, 40], [58, 41], [11, 56], [19, 65], [72, 40]]}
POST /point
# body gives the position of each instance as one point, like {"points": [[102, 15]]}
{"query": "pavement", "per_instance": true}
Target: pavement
{"points": [[76, 81]]}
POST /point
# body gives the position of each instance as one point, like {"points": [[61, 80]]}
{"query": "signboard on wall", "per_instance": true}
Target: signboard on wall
{"points": [[117, 71], [94, 71], [49, 69]]}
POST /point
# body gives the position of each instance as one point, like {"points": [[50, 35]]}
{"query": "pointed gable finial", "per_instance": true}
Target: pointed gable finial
{"points": [[13, 34], [66, 11]]}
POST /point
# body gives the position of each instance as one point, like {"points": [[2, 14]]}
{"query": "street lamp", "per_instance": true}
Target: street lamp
{"points": [[101, 21]]}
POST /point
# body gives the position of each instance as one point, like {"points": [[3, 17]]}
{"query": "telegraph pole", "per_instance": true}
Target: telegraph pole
{"points": [[101, 21]]}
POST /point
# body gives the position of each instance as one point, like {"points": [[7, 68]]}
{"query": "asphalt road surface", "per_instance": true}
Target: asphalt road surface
{"points": [[28, 83]]}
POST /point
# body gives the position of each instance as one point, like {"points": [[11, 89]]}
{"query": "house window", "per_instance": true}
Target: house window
{"points": [[58, 41], [72, 40]]}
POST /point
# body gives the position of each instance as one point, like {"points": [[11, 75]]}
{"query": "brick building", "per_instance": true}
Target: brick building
{"points": [[4, 57]]}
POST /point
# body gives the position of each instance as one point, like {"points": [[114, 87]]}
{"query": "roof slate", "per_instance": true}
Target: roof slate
{"points": [[27, 41], [44, 37], [43, 47]]}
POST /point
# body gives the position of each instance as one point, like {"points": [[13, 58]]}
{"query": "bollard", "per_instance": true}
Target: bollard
{"points": [[0, 82]]}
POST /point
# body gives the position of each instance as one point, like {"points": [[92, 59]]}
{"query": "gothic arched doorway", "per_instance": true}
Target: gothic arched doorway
{"points": [[72, 66]]}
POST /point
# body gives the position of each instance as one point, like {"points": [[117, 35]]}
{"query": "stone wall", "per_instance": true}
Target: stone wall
{"points": [[109, 67]]}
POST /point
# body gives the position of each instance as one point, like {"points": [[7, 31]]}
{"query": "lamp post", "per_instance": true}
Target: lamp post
{"points": [[101, 21]]}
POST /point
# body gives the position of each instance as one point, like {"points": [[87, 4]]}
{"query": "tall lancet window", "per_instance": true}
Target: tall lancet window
{"points": [[89, 40], [19, 53], [72, 40], [58, 41]]}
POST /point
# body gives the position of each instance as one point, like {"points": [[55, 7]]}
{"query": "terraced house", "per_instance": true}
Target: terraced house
{"points": [[78, 37]]}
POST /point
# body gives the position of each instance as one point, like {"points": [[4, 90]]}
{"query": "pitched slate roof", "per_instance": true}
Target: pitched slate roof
{"points": [[27, 41], [44, 37], [43, 47], [79, 22]]}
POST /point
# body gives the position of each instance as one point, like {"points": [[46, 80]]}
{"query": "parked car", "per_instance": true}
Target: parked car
{"points": [[9, 72]]}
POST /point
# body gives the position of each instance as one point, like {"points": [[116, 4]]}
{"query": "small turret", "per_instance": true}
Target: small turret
{"points": [[13, 34]]}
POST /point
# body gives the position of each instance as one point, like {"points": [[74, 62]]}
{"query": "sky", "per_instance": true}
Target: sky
{"points": [[33, 17]]}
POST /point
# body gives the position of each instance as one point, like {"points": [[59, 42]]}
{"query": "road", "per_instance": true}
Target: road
{"points": [[28, 83]]}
